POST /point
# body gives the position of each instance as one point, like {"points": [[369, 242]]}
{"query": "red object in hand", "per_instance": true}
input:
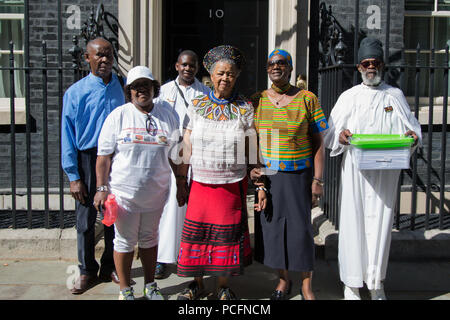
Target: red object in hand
{"points": [[110, 213]]}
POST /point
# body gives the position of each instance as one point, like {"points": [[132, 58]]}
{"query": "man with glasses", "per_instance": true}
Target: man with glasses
{"points": [[178, 94], [367, 197], [86, 104]]}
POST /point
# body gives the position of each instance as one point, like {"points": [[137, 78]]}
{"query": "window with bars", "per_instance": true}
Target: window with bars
{"points": [[12, 29], [427, 24]]}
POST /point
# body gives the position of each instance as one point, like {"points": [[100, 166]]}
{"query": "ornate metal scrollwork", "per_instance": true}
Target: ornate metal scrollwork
{"points": [[94, 28], [332, 47], [77, 54]]}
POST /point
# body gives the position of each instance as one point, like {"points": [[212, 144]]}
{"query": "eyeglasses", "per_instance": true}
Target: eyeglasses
{"points": [[151, 126], [367, 63], [281, 63]]}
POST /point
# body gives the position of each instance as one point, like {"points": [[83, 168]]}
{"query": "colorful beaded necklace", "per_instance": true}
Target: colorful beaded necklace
{"points": [[222, 101]]}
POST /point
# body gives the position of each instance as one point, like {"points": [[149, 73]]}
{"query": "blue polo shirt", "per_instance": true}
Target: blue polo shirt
{"points": [[86, 104]]}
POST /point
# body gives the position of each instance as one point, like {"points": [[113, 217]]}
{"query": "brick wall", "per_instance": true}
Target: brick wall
{"points": [[344, 11], [44, 26]]}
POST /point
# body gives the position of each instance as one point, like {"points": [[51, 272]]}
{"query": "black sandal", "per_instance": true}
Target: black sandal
{"points": [[226, 294], [280, 295], [192, 292]]}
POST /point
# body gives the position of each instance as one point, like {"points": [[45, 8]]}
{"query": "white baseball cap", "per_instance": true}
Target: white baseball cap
{"points": [[139, 72]]}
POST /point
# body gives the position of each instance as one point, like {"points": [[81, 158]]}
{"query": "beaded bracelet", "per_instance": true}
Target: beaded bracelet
{"points": [[261, 188], [319, 181]]}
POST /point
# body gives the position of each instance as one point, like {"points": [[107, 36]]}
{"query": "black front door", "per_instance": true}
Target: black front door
{"points": [[200, 25]]}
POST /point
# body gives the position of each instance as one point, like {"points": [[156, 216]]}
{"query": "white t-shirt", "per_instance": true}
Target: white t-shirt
{"points": [[140, 169]]}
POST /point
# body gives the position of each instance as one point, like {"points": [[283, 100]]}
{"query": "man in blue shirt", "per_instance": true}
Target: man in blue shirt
{"points": [[86, 105]]}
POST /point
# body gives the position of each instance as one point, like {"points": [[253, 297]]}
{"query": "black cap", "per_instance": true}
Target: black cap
{"points": [[370, 48]]}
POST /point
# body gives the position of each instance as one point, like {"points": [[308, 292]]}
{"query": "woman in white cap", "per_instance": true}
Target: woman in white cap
{"points": [[132, 164]]}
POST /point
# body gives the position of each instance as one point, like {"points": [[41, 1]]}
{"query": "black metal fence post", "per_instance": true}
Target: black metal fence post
{"points": [[28, 111], [414, 156], [444, 141], [13, 133], [430, 140], [387, 39], [45, 133], [60, 103], [355, 42]]}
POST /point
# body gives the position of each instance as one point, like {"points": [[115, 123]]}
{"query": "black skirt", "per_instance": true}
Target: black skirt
{"points": [[283, 231]]}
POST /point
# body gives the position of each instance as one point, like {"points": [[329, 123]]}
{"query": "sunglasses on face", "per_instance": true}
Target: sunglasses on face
{"points": [[150, 126], [367, 63], [141, 86], [281, 63]]}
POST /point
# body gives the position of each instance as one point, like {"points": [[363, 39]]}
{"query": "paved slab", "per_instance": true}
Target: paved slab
{"points": [[38, 264], [47, 280]]}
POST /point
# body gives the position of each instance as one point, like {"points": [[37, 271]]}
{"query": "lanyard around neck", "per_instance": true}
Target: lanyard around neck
{"points": [[181, 93]]}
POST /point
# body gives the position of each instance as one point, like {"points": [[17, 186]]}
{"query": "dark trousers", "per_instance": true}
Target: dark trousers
{"points": [[86, 217]]}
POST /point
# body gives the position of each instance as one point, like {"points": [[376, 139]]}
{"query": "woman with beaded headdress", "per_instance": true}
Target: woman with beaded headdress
{"points": [[289, 122], [215, 238]]}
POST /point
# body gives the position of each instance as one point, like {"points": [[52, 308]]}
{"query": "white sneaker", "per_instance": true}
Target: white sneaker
{"points": [[151, 292], [351, 293], [378, 294], [126, 294]]}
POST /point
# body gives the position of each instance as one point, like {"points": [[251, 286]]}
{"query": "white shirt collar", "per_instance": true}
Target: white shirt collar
{"points": [[186, 88]]}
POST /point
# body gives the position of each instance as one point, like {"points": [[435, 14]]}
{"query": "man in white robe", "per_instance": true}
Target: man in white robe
{"points": [[179, 94], [367, 197]]}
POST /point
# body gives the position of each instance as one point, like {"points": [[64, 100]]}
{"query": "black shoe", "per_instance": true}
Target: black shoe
{"points": [[108, 277], [160, 270], [226, 294], [280, 295]]}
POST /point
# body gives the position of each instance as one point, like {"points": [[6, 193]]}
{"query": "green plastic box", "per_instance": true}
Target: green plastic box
{"points": [[381, 141], [381, 151]]}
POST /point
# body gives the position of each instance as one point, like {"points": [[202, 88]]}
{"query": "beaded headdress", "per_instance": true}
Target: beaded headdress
{"points": [[223, 52]]}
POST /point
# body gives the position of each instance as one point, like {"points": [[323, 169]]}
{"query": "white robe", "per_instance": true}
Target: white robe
{"points": [[367, 198], [172, 219]]}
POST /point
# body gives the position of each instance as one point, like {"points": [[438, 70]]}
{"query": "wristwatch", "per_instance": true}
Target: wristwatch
{"points": [[103, 188]]}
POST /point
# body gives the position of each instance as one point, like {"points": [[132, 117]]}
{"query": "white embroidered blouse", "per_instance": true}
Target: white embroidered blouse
{"points": [[219, 129]]}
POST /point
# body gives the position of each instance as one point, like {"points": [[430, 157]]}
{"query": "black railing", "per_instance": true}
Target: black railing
{"points": [[331, 81], [34, 218], [426, 182], [428, 174], [30, 149]]}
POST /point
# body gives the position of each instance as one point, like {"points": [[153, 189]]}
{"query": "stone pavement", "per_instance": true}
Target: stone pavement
{"points": [[38, 264], [47, 280]]}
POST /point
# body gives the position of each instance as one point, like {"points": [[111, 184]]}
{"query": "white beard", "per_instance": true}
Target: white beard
{"points": [[375, 81]]}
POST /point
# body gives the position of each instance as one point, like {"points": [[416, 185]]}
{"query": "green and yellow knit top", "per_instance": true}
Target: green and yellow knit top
{"points": [[285, 132]]}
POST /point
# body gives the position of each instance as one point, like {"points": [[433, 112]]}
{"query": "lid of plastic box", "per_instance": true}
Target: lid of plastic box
{"points": [[381, 141]]}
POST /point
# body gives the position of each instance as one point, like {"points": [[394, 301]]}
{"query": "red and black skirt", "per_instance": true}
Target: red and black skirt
{"points": [[215, 239]]}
